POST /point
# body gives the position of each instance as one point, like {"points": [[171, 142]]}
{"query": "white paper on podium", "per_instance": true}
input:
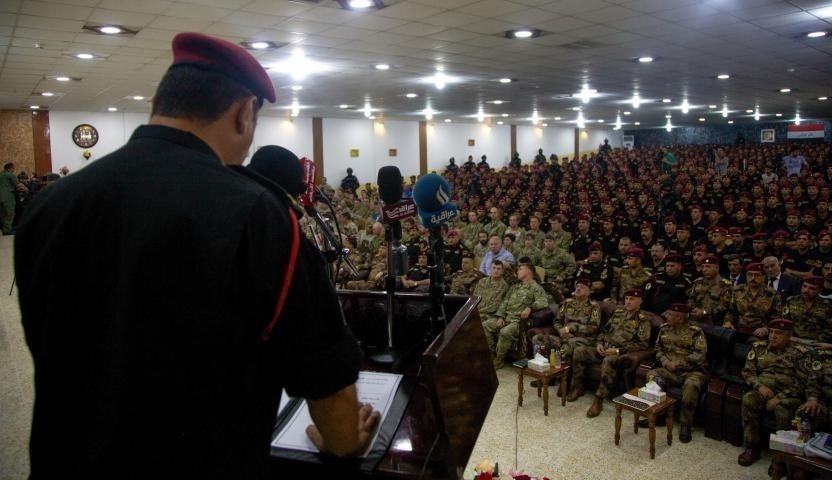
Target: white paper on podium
{"points": [[377, 389]]}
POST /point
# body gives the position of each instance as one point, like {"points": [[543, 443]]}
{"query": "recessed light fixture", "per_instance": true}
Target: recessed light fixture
{"points": [[645, 59], [262, 45], [62, 78], [636, 101], [685, 106], [545, 124], [823, 98], [497, 102], [295, 108], [382, 66], [297, 87], [504, 115], [522, 33], [259, 45], [500, 122], [447, 120], [627, 113], [372, 117], [557, 119], [723, 76], [411, 95], [749, 111], [711, 106], [138, 97], [110, 30], [730, 122], [816, 34], [112, 109], [47, 94], [778, 114], [701, 119], [636, 123], [600, 121], [34, 107], [343, 106], [506, 80], [785, 90], [85, 56], [756, 114], [666, 100], [668, 116]]}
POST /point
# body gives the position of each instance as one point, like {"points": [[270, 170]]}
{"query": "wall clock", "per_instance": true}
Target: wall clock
{"points": [[85, 135]]}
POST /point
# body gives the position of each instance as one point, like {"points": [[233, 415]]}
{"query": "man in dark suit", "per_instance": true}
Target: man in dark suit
{"points": [[785, 284]]}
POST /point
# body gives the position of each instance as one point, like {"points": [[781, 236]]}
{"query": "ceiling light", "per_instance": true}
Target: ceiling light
{"points": [[723, 76], [138, 97], [749, 111], [580, 120], [535, 117], [367, 110], [667, 116], [627, 113], [372, 117], [585, 94], [711, 106], [428, 113], [262, 45], [545, 124], [112, 109], [665, 100], [785, 90], [557, 119], [297, 87], [47, 94], [497, 102], [617, 122], [637, 123], [295, 108], [440, 80], [575, 109], [480, 116], [85, 56], [756, 114], [500, 122], [259, 45], [730, 122], [361, 3], [823, 98], [63, 79], [668, 126], [504, 115], [600, 121], [34, 107], [778, 114], [636, 100], [797, 119], [298, 66], [523, 33], [382, 66], [110, 30], [816, 34], [725, 110], [506, 80], [701, 119], [645, 59], [685, 106], [412, 95], [447, 120], [343, 106]]}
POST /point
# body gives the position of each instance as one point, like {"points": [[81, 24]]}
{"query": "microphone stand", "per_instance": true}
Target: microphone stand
{"points": [[336, 250], [437, 288], [389, 356]]}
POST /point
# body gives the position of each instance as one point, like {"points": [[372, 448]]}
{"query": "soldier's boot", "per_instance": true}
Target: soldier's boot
{"points": [[749, 456], [576, 393], [685, 434], [597, 406]]}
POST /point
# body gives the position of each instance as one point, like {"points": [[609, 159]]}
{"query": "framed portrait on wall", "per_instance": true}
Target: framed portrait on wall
{"points": [[767, 135], [471, 142], [353, 152], [392, 152]]}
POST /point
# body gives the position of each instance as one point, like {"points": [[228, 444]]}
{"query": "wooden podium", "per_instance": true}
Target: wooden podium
{"points": [[448, 385]]}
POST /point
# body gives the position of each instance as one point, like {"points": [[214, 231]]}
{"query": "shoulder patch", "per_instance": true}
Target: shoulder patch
{"points": [[751, 354], [648, 285], [816, 365]]}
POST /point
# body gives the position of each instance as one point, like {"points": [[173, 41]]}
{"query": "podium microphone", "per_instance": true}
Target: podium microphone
{"points": [[432, 195]]}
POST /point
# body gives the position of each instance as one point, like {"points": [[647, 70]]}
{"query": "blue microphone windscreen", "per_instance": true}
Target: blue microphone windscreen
{"points": [[431, 192]]}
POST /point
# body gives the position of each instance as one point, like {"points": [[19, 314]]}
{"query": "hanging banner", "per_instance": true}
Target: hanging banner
{"points": [[814, 130]]}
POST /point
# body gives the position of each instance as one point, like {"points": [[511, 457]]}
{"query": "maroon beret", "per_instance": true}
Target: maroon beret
{"points": [[635, 252], [594, 246], [679, 307], [803, 233], [760, 236], [583, 216], [781, 324], [710, 260], [696, 206], [754, 267], [735, 230], [634, 292], [674, 257], [453, 233], [718, 229], [647, 225], [780, 234], [759, 214], [225, 58], [793, 213], [700, 248], [683, 226], [669, 219], [813, 280]]}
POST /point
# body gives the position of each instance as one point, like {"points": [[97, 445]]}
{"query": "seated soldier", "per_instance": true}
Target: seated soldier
{"points": [[463, 281], [681, 351], [378, 271], [810, 314], [418, 277], [576, 323], [627, 330], [776, 370], [491, 289], [706, 293], [521, 299], [751, 304]]}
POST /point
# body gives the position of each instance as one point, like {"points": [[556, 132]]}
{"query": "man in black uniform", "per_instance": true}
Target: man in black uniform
{"points": [[161, 343], [667, 287]]}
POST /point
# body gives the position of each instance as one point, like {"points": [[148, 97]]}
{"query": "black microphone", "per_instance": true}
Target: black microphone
{"points": [[280, 166], [390, 184]]}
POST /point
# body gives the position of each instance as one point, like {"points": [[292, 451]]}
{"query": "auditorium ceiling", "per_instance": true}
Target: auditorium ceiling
{"points": [[583, 55]]}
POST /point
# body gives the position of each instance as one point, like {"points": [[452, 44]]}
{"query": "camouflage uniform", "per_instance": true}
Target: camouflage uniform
{"points": [[534, 254], [479, 249], [785, 372], [469, 234], [684, 345], [557, 263], [563, 239], [810, 321], [463, 282], [377, 269], [707, 296], [628, 333], [495, 228], [820, 389], [491, 294], [747, 310], [626, 279], [518, 298], [583, 321]]}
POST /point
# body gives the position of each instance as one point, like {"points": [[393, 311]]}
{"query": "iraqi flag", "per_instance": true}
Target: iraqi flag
{"points": [[814, 130]]}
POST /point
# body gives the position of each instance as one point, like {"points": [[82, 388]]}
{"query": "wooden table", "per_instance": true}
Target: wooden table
{"points": [[651, 413], [543, 383], [792, 461]]}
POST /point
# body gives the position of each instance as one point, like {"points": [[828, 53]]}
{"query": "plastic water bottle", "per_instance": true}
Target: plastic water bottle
{"points": [[558, 358], [536, 349]]}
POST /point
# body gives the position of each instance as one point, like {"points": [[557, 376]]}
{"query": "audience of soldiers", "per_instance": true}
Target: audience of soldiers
{"points": [[725, 236]]}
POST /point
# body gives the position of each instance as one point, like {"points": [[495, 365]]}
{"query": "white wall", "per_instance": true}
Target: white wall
{"points": [[557, 140], [404, 137], [114, 129], [448, 140], [294, 135], [595, 137]]}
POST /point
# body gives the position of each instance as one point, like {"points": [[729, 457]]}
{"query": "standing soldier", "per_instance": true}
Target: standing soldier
{"points": [[632, 275], [491, 289], [463, 281], [776, 370], [520, 301], [628, 330], [681, 351], [752, 304], [810, 313], [706, 293]]}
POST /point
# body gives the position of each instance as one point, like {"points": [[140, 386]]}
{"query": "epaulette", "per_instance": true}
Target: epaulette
{"points": [[695, 328], [725, 281], [759, 343]]}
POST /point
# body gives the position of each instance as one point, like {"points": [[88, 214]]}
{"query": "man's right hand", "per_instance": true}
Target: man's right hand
{"points": [[601, 350], [766, 392], [333, 432]]}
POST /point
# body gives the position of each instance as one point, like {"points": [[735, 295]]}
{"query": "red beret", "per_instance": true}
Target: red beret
{"points": [[634, 292], [223, 57], [674, 257], [583, 216], [793, 213], [635, 252], [809, 212], [718, 229], [823, 233], [803, 233], [696, 206], [683, 226], [727, 196], [710, 260], [813, 280], [754, 267], [669, 219], [679, 307], [781, 324], [780, 234], [760, 236], [594, 246], [453, 233], [700, 248], [647, 225], [759, 214], [735, 230]]}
